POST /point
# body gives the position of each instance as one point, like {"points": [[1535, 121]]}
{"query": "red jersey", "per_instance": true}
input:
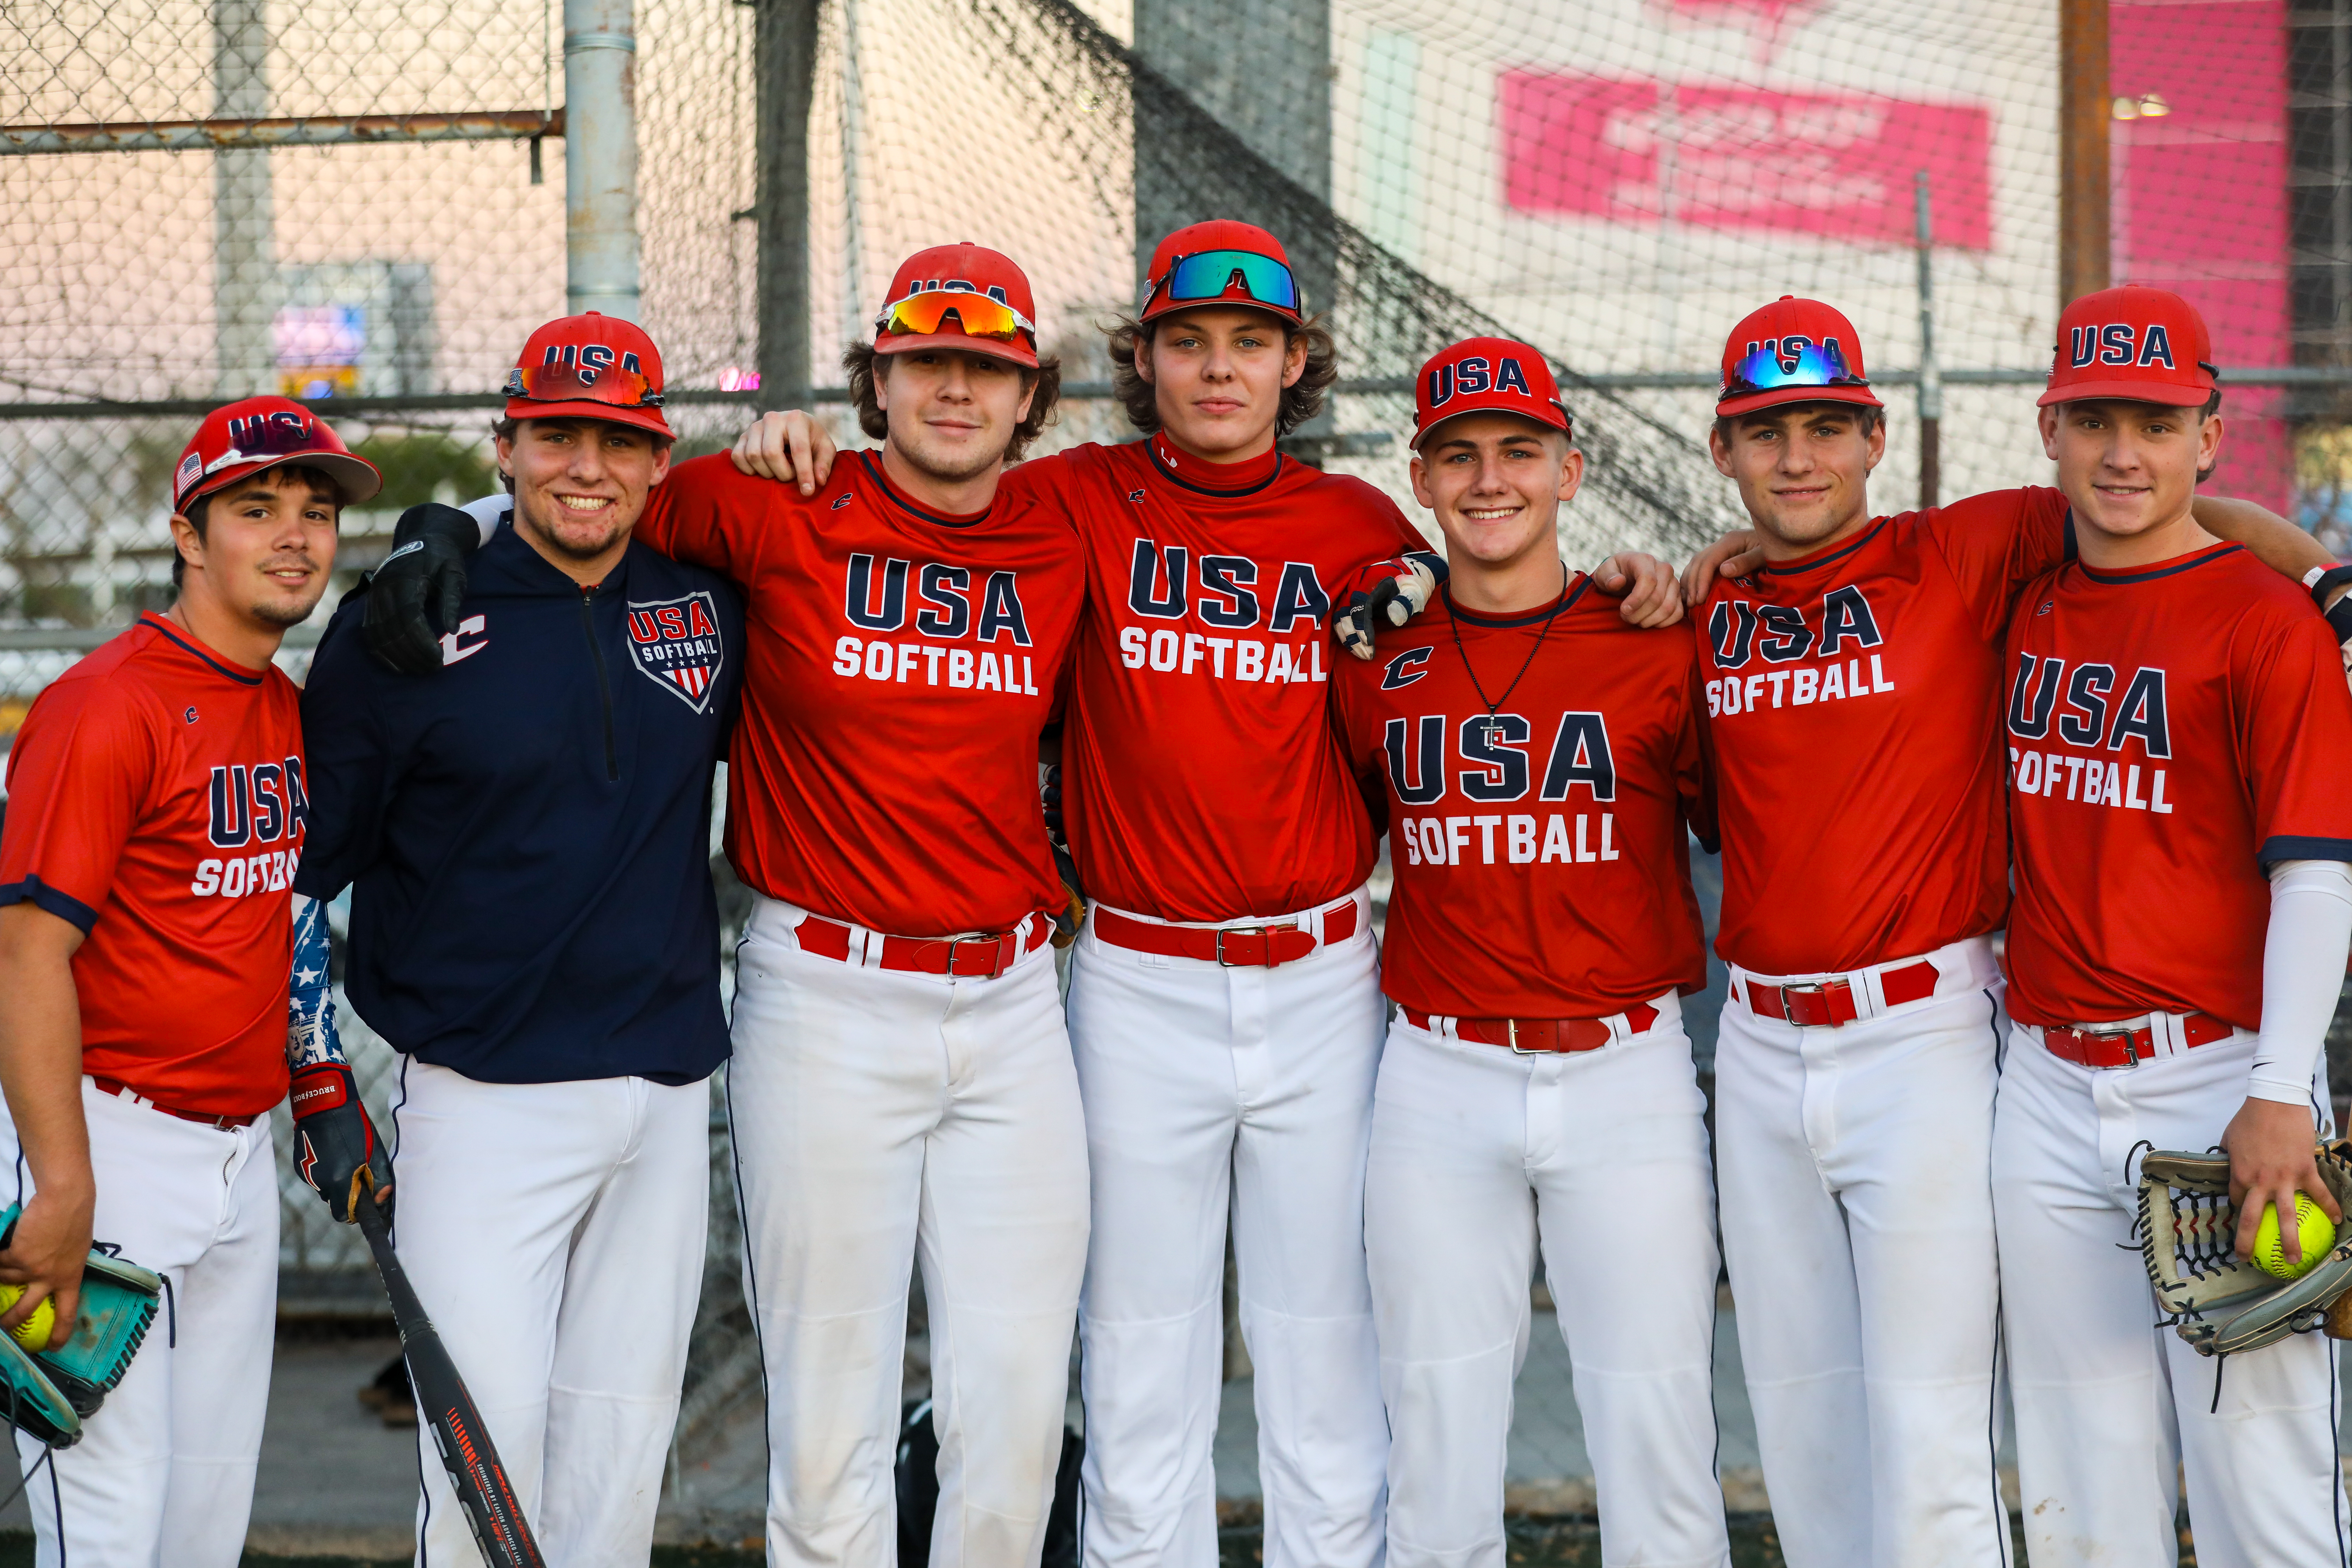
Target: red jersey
{"points": [[155, 800], [1853, 701], [899, 666], [2173, 731], [1542, 855], [1201, 778]]}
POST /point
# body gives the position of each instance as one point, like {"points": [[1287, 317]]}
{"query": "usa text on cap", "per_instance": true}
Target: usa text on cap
{"points": [[1486, 376], [2136, 343], [589, 367], [963, 297], [1792, 351]]}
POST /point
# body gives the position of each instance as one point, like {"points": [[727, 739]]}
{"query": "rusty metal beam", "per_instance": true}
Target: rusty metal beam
{"points": [[302, 130], [2085, 114]]}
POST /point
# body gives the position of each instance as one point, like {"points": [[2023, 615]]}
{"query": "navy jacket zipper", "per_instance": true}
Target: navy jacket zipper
{"points": [[603, 686]]}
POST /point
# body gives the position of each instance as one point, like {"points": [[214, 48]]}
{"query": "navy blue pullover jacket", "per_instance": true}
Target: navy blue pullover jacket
{"points": [[526, 832]]}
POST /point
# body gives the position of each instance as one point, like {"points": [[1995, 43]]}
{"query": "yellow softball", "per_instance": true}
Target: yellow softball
{"points": [[2319, 1236], [33, 1333]]}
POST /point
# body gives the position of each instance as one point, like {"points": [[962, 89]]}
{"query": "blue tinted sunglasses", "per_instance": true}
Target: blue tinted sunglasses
{"points": [[1767, 370], [1209, 273]]}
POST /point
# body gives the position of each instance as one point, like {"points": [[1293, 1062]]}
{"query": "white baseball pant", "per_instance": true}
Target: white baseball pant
{"points": [[1212, 1090], [1475, 1150], [883, 1118], [163, 1477], [2113, 1407], [555, 1232], [1856, 1204]]}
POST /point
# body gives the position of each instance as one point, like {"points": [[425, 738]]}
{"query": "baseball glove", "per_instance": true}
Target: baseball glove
{"points": [[2217, 1301], [49, 1394]]}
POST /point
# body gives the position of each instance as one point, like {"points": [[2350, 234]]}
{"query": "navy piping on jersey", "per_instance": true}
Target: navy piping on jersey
{"points": [[241, 677], [898, 499], [72, 910], [2215, 553], [1868, 534], [1557, 607], [2288, 846], [1171, 477]]}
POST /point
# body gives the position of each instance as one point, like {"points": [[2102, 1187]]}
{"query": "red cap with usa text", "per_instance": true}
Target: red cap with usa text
{"points": [[2136, 343], [967, 268], [1234, 287], [589, 367], [1792, 351], [256, 433], [1486, 376]]}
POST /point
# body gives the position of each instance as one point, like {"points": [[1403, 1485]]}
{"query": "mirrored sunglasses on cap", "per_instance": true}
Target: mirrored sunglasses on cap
{"points": [[1207, 274], [980, 315], [564, 382], [1817, 364]]}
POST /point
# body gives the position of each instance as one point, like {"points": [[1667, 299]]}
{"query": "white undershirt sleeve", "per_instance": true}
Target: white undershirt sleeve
{"points": [[488, 512], [2303, 974]]}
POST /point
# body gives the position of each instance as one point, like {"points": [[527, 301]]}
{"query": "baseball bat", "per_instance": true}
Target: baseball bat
{"points": [[442, 1402]]}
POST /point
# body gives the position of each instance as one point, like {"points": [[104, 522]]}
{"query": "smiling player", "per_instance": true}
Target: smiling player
{"points": [[157, 813], [1854, 695], [526, 837], [1537, 764], [2178, 736]]}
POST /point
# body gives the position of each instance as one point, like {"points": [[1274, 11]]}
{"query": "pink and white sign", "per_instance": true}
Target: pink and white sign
{"points": [[1837, 166]]}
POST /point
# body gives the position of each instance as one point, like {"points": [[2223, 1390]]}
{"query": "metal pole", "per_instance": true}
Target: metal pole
{"points": [[784, 66], [1931, 378], [854, 312], [245, 253], [600, 157], [2084, 115]]}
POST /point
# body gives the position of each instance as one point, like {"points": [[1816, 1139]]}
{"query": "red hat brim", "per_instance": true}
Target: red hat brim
{"points": [[1861, 396], [908, 342], [1550, 418], [649, 419], [356, 478], [2172, 393]]}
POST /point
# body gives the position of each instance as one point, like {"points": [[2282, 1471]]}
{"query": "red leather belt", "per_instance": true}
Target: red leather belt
{"points": [[1826, 1003], [117, 1087], [2127, 1047], [1235, 947], [1530, 1035], [981, 957]]}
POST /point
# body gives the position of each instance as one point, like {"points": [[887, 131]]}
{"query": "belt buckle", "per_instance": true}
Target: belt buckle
{"points": [[1511, 1026], [1265, 934], [1807, 987], [996, 959], [2131, 1051]]}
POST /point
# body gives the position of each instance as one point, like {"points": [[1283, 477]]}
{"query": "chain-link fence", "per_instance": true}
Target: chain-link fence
{"points": [[365, 204]]}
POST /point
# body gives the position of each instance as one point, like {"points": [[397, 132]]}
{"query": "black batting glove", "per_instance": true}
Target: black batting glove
{"points": [[414, 597], [335, 1146], [1067, 918]]}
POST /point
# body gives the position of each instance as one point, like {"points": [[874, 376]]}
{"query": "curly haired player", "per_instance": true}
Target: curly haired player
{"points": [[158, 810]]}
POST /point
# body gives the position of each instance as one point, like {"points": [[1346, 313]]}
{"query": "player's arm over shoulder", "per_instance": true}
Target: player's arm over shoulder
{"points": [[708, 514]]}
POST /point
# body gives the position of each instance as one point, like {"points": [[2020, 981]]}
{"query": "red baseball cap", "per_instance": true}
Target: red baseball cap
{"points": [[590, 366], [1792, 351], [257, 432], [1222, 261], [2147, 345], [979, 290], [1486, 376]]}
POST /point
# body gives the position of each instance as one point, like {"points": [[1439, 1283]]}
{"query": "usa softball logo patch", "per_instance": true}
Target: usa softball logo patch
{"points": [[675, 645]]}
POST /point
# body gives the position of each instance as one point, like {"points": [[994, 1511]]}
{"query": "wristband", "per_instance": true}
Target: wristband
{"points": [[2325, 579]]}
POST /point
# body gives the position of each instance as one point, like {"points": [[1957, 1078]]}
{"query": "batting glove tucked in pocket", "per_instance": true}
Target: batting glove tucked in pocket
{"points": [[334, 1141]]}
